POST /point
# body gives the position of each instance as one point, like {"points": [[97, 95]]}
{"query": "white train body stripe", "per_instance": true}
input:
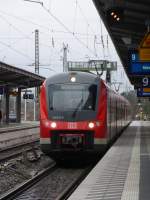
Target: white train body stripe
{"points": [[100, 141], [45, 140], [96, 141]]}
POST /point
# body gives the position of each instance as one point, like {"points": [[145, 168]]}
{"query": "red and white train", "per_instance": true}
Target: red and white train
{"points": [[79, 115]]}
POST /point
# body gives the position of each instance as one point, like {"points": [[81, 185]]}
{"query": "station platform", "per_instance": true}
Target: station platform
{"points": [[16, 134], [14, 126], [124, 172]]}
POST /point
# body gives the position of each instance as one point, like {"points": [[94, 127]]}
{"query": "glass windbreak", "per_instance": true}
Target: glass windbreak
{"points": [[69, 97]]}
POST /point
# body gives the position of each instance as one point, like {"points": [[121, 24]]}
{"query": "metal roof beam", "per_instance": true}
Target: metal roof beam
{"points": [[128, 31], [136, 15], [123, 34], [138, 6]]}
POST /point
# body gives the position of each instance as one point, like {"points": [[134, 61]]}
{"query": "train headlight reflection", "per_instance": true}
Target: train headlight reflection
{"points": [[46, 123], [91, 125], [53, 125]]}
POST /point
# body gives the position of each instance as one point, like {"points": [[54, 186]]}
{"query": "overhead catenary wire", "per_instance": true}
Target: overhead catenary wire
{"points": [[49, 29], [66, 28], [42, 66], [25, 35], [75, 17], [69, 31], [14, 27], [95, 37], [44, 27], [88, 27], [86, 20], [52, 30], [15, 50]]}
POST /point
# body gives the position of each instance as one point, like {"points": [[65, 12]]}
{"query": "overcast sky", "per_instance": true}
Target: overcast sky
{"points": [[19, 19]]}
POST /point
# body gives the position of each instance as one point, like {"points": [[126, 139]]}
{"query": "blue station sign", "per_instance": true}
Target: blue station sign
{"points": [[137, 67], [140, 68], [143, 92]]}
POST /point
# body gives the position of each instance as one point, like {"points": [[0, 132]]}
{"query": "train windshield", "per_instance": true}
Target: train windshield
{"points": [[69, 97]]}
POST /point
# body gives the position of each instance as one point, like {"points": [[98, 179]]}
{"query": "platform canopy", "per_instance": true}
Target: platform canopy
{"points": [[15, 77], [127, 21]]}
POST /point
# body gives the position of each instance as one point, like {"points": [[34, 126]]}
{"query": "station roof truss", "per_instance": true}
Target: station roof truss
{"points": [[129, 30], [15, 77]]}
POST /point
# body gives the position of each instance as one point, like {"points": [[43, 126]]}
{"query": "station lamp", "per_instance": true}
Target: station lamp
{"points": [[115, 15]]}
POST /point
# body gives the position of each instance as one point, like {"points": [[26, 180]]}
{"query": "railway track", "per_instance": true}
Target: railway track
{"points": [[15, 140], [11, 194], [54, 183], [17, 150], [64, 195], [17, 128], [61, 181]]}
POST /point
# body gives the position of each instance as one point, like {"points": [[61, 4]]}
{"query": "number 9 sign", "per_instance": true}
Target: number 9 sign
{"points": [[145, 82]]}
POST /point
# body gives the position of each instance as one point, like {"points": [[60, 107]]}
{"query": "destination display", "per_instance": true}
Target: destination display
{"points": [[143, 92], [92, 65]]}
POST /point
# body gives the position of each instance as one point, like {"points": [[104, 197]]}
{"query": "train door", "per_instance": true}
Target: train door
{"points": [[113, 116], [121, 116], [116, 116], [109, 115], [125, 115], [123, 119]]}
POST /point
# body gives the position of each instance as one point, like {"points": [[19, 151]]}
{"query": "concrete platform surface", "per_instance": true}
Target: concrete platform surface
{"points": [[124, 172]]}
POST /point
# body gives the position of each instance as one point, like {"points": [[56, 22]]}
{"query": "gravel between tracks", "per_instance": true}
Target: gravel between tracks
{"points": [[16, 171], [50, 187]]}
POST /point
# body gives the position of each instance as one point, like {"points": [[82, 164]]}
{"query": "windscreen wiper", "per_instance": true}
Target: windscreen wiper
{"points": [[77, 108]]}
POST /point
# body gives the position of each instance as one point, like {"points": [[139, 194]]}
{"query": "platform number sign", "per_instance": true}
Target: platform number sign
{"points": [[146, 82], [136, 66], [133, 56]]}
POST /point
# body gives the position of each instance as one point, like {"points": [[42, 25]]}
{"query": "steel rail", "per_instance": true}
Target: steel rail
{"points": [[17, 150], [74, 184], [12, 129], [13, 193]]}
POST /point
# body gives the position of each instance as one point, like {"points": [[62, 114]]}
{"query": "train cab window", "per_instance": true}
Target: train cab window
{"points": [[71, 97]]}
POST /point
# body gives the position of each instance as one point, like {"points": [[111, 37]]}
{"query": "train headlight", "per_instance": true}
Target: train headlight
{"points": [[53, 125], [91, 125], [73, 79]]}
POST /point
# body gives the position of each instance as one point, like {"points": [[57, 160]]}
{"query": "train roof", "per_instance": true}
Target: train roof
{"points": [[85, 77]]}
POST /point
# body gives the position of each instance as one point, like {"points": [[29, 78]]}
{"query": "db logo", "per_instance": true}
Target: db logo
{"points": [[72, 125]]}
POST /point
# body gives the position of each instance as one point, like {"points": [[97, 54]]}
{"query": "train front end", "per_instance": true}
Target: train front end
{"points": [[69, 123]]}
